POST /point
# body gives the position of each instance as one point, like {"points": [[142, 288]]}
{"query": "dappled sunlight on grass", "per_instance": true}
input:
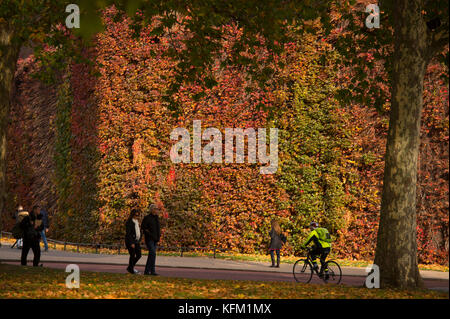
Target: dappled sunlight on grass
{"points": [[37, 282]]}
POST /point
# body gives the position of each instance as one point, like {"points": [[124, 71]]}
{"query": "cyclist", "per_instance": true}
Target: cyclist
{"points": [[321, 245]]}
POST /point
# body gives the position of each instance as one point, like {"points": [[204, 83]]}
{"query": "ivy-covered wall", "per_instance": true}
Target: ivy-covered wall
{"points": [[96, 147]]}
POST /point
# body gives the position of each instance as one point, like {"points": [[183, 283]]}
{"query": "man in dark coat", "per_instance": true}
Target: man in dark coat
{"points": [[132, 240], [150, 227], [31, 227]]}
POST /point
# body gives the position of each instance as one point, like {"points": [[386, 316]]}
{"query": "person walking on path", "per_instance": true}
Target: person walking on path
{"points": [[18, 216], [132, 240], [151, 228], [276, 242], [31, 226], [44, 215]]}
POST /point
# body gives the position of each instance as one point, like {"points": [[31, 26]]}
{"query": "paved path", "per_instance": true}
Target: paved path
{"points": [[198, 267]]}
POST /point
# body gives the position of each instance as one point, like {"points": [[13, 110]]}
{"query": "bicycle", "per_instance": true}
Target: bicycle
{"points": [[303, 270]]}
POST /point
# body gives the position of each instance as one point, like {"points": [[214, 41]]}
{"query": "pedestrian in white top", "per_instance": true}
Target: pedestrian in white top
{"points": [[132, 240]]}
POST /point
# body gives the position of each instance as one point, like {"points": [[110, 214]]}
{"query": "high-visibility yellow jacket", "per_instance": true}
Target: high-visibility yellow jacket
{"points": [[314, 236]]}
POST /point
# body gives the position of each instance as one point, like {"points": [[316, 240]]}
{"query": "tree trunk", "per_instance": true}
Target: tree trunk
{"points": [[396, 251], [9, 51]]}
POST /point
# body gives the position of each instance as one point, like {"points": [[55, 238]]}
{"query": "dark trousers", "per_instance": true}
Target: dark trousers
{"points": [[272, 256], [151, 260], [34, 245], [135, 254], [320, 252]]}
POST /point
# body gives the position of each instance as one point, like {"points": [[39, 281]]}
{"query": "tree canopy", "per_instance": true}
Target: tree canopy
{"points": [[388, 65]]}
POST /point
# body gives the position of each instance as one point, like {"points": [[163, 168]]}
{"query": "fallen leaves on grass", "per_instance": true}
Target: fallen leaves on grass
{"points": [[29, 282]]}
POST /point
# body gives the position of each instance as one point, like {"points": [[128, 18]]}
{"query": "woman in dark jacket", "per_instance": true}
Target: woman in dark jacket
{"points": [[275, 242], [132, 240], [31, 227]]}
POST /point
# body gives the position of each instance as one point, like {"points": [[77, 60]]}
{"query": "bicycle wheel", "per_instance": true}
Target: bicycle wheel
{"points": [[302, 271], [334, 274]]}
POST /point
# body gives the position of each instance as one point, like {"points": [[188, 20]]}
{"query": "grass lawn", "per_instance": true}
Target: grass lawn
{"points": [[37, 282]]}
